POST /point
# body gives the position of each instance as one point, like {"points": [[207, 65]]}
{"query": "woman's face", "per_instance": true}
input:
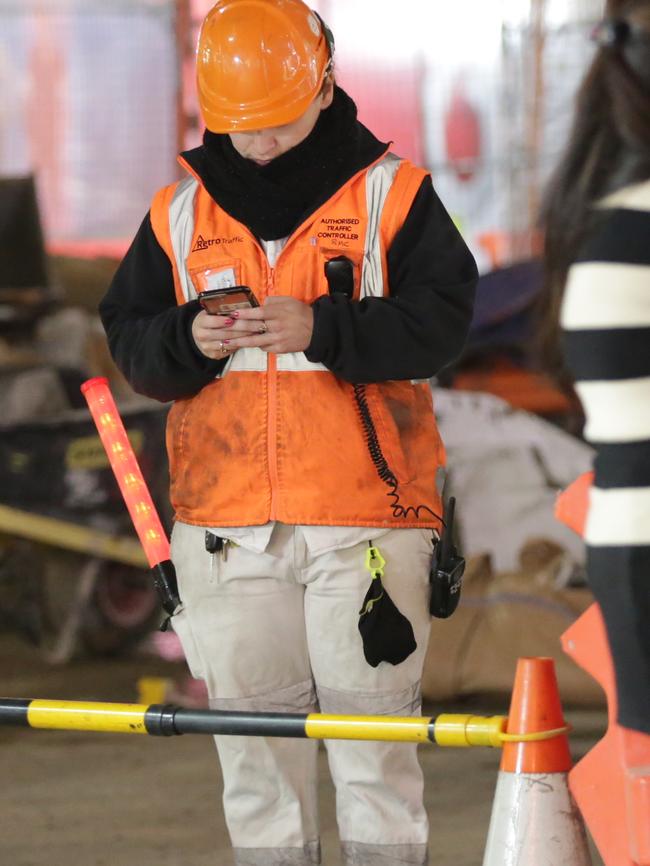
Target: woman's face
{"points": [[263, 145]]}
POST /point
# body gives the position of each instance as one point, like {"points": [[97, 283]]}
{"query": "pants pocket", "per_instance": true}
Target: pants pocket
{"points": [[183, 628]]}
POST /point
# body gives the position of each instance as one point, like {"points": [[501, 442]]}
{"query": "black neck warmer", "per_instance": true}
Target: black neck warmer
{"points": [[274, 199]]}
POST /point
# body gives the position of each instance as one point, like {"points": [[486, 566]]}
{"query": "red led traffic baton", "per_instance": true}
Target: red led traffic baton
{"points": [[134, 489]]}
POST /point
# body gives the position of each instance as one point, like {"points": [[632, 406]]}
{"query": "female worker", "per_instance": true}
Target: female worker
{"points": [[299, 434]]}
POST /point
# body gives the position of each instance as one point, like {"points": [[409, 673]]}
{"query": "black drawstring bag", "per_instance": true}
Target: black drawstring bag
{"points": [[386, 633]]}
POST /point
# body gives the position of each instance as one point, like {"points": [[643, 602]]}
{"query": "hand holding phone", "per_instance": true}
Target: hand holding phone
{"points": [[222, 302], [235, 320], [214, 329]]}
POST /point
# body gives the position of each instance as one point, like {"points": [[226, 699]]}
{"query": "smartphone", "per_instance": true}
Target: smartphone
{"points": [[222, 302]]}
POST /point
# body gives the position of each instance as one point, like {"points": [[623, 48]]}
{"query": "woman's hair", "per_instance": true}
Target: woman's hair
{"points": [[329, 79], [609, 147]]}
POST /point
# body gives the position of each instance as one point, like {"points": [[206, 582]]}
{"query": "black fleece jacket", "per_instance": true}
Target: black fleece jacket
{"points": [[411, 334]]}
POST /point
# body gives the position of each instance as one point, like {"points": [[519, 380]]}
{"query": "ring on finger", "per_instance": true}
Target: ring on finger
{"points": [[223, 348], [263, 328]]}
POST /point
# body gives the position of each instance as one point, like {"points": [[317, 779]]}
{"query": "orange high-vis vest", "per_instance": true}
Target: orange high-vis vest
{"points": [[275, 437]]}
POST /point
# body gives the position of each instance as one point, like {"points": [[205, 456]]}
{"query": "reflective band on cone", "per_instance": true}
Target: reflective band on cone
{"points": [[535, 821]]}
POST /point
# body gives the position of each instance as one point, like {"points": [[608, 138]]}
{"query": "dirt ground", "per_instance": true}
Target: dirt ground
{"points": [[128, 800]]}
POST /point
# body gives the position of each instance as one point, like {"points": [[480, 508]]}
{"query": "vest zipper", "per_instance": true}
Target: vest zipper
{"points": [[272, 415]]}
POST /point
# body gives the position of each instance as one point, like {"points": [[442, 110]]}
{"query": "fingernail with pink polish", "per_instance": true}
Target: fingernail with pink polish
{"points": [[230, 321], [234, 315]]}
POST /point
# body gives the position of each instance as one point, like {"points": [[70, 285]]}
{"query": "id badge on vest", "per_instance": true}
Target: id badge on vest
{"points": [[220, 275]]}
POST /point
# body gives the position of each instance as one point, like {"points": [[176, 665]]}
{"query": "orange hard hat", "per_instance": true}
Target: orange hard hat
{"points": [[260, 63]]}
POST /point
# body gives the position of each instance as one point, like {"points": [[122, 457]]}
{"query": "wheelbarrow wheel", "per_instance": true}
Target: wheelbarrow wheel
{"points": [[122, 610], [93, 605]]}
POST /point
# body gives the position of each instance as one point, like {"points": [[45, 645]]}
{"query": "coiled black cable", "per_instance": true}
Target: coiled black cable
{"points": [[381, 464], [339, 272]]}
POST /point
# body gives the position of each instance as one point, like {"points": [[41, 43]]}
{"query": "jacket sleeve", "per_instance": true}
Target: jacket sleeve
{"points": [[422, 325], [149, 334]]}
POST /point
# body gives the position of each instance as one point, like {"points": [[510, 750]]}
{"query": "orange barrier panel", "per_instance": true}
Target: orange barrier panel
{"points": [[611, 783], [572, 504]]}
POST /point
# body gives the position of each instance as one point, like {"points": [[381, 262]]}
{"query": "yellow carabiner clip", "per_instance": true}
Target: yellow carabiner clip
{"points": [[375, 562]]}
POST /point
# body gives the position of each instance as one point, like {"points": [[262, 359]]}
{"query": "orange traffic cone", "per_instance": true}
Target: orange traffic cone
{"points": [[534, 819]]}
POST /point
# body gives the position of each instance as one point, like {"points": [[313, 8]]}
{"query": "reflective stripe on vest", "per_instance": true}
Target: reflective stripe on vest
{"points": [[254, 360], [378, 183], [181, 230]]}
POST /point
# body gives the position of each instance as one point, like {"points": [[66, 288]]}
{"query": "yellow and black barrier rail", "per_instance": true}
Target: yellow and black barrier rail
{"points": [[167, 720]]}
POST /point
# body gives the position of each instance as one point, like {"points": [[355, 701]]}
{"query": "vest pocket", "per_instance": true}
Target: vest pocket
{"points": [[216, 274], [392, 410], [176, 420]]}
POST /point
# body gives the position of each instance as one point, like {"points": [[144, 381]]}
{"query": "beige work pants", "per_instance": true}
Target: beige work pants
{"points": [[278, 632]]}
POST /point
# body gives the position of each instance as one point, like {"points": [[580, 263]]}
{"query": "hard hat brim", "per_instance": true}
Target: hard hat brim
{"points": [[249, 118]]}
